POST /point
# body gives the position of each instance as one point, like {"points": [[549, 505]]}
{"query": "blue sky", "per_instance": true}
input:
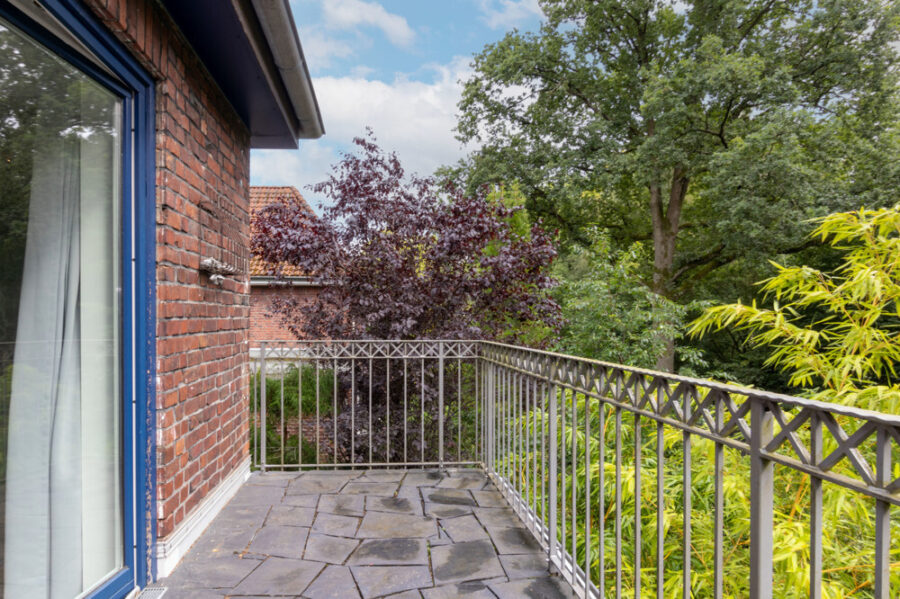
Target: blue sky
{"points": [[394, 65]]}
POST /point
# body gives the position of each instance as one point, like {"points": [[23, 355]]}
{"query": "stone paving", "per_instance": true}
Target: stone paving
{"points": [[379, 533]]}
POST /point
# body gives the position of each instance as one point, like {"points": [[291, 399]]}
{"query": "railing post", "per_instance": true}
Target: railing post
{"points": [[762, 490], [263, 431], [883, 476], [441, 404], [551, 532], [488, 375]]}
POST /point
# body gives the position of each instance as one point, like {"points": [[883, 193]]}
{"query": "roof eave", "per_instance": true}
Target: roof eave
{"points": [[278, 26]]}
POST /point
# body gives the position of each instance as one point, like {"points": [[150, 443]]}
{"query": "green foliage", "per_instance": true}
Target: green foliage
{"points": [[835, 333], [285, 388], [771, 112], [714, 130], [283, 410], [848, 532], [610, 312]]}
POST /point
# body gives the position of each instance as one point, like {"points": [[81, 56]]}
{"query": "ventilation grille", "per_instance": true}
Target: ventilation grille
{"points": [[152, 593]]}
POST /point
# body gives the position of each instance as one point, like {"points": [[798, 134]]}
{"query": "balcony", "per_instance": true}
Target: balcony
{"points": [[448, 468]]}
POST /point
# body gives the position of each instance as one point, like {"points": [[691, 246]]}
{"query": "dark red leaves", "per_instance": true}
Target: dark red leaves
{"points": [[404, 257]]}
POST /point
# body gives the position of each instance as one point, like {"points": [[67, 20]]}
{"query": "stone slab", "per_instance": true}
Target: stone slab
{"points": [[239, 516], [440, 510], [514, 540], [300, 500], [370, 488], [326, 548], [279, 576], [344, 475], [391, 552], [382, 476], [534, 588], [271, 479], [342, 505], [471, 590], [427, 478], [217, 573], [396, 505], [489, 498], [306, 485], [448, 496], [280, 541], [528, 565], [221, 542], [441, 538], [335, 582], [338, 526], [463, 481], [492, 517], [375, 581], [464, 528], [194, 594], [381, 525], [286, 515], [465, 561], [257, 495]]}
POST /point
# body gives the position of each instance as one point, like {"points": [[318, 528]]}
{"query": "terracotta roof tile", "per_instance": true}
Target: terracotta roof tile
{"points": [[260, 197]]}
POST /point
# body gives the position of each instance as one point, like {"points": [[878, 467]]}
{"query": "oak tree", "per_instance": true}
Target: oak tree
{"points": [[712, 130]]}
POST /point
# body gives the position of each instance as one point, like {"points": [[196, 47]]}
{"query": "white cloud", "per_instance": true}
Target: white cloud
{"points": [[413, 118], [320, 50], [361, 71], [505, 14], [349, 14]]}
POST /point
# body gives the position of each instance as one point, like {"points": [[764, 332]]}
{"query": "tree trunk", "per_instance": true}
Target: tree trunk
{"points": [[665, 220]]}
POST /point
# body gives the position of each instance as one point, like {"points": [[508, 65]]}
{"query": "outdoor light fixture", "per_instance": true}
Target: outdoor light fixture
{"points": [[216, 270]]}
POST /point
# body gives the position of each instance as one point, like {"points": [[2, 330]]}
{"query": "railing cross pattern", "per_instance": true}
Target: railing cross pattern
{"points": [[847, 447]]}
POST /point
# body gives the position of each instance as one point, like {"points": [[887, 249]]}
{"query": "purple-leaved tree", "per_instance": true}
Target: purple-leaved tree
{"points": [[407, 257], [404, 257]]}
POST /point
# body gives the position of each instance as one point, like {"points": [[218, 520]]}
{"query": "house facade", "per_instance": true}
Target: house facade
{"points": [[265, 288], [125, 133]]}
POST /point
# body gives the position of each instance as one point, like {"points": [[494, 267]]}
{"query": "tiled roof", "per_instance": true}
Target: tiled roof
{"points": [[260, 197]]}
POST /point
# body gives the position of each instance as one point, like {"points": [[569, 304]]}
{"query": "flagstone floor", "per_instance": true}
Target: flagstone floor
{"points": [[378, 533]]}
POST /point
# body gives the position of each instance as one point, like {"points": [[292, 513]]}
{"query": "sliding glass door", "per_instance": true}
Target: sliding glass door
{"points": [[61, 438]]}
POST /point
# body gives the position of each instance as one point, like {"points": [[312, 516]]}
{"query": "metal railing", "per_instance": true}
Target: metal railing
{"points": [[604, 463], [365, 403]]}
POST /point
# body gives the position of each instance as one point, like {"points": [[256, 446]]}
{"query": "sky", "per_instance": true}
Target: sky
{"points": [[395, 66]]}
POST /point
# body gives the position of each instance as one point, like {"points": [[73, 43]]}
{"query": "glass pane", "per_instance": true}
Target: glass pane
{"points": [[60, 391]]}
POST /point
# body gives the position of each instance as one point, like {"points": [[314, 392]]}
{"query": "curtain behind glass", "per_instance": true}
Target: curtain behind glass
{"points": [[63, 506]]}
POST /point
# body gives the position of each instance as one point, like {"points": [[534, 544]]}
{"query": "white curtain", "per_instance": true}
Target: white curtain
{"points": [[43, 473], [63, 482]]}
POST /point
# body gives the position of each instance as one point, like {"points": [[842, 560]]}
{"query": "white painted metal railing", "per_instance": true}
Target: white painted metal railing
{"points": [[596, 458]]}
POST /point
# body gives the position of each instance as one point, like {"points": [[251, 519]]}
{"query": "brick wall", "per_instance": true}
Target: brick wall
{"points": [[202, 203], [267, 327]]}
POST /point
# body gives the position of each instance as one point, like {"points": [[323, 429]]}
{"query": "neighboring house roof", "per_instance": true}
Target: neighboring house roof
{"points": [[260, 197], [252, 50]]}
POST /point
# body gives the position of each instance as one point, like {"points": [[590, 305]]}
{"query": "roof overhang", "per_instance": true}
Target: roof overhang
{"points": [[252, 50]]}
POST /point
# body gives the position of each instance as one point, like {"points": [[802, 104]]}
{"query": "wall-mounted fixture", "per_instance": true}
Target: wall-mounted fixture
{"points": [[216, 270]]}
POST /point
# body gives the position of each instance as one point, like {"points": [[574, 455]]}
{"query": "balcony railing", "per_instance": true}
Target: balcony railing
{"points": [[603, 463]]}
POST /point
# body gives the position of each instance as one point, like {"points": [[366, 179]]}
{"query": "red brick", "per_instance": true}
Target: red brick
{"points": [[202, 160]]}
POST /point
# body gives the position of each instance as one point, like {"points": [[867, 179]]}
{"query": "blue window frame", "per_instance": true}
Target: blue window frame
{"points": [[135, 87]]}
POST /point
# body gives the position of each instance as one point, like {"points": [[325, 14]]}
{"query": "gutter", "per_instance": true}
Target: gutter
{"points": [[278, 26], [265, 281]]}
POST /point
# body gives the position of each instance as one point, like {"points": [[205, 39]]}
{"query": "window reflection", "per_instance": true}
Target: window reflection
{"points": [[60, 446]]}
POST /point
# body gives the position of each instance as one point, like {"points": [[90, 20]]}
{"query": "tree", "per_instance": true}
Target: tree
{"points": [[609, 313], [713, 130], [405, 257], [835, 333], [409, 258]]}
